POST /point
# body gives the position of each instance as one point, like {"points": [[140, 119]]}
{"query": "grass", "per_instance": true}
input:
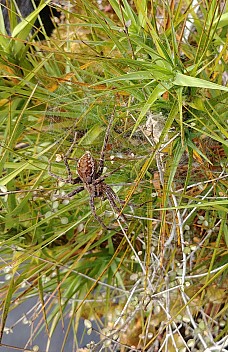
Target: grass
{"points": [[158, 281]]}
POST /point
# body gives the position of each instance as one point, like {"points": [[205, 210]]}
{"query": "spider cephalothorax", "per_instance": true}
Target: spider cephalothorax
{"points": [[90, 174]]}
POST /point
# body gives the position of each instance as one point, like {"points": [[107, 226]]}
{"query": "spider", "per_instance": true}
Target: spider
{"points": [[89, 173]]}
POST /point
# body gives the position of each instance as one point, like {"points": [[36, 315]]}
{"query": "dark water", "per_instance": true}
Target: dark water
{"points": [[21, 334]]}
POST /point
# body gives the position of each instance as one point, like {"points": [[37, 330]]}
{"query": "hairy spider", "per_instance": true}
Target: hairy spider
{"points": [[90, 175]]}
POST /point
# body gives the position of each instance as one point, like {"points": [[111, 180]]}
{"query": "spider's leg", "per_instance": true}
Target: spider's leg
{"points": [[57, 177], [101, 178], [93, 209], [65, 159], [113, 198], [72, 145], [102, 156], [70, 176], [69, 179], [76, 191]]}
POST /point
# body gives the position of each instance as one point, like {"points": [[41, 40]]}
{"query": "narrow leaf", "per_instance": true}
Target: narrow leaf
{"points": [[188, 81]]}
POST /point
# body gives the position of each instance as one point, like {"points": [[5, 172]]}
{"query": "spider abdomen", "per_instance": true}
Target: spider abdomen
{"points": [[86, 168]]}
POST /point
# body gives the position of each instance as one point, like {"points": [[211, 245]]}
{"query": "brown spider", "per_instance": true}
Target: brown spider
{"points": [[90, 174]]}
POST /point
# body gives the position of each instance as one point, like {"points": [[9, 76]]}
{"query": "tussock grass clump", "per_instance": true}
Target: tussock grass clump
{"points": [[156, 279]]}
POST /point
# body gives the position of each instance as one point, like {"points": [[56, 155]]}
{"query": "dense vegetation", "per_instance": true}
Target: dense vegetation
{"points": [[156, 278]]}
